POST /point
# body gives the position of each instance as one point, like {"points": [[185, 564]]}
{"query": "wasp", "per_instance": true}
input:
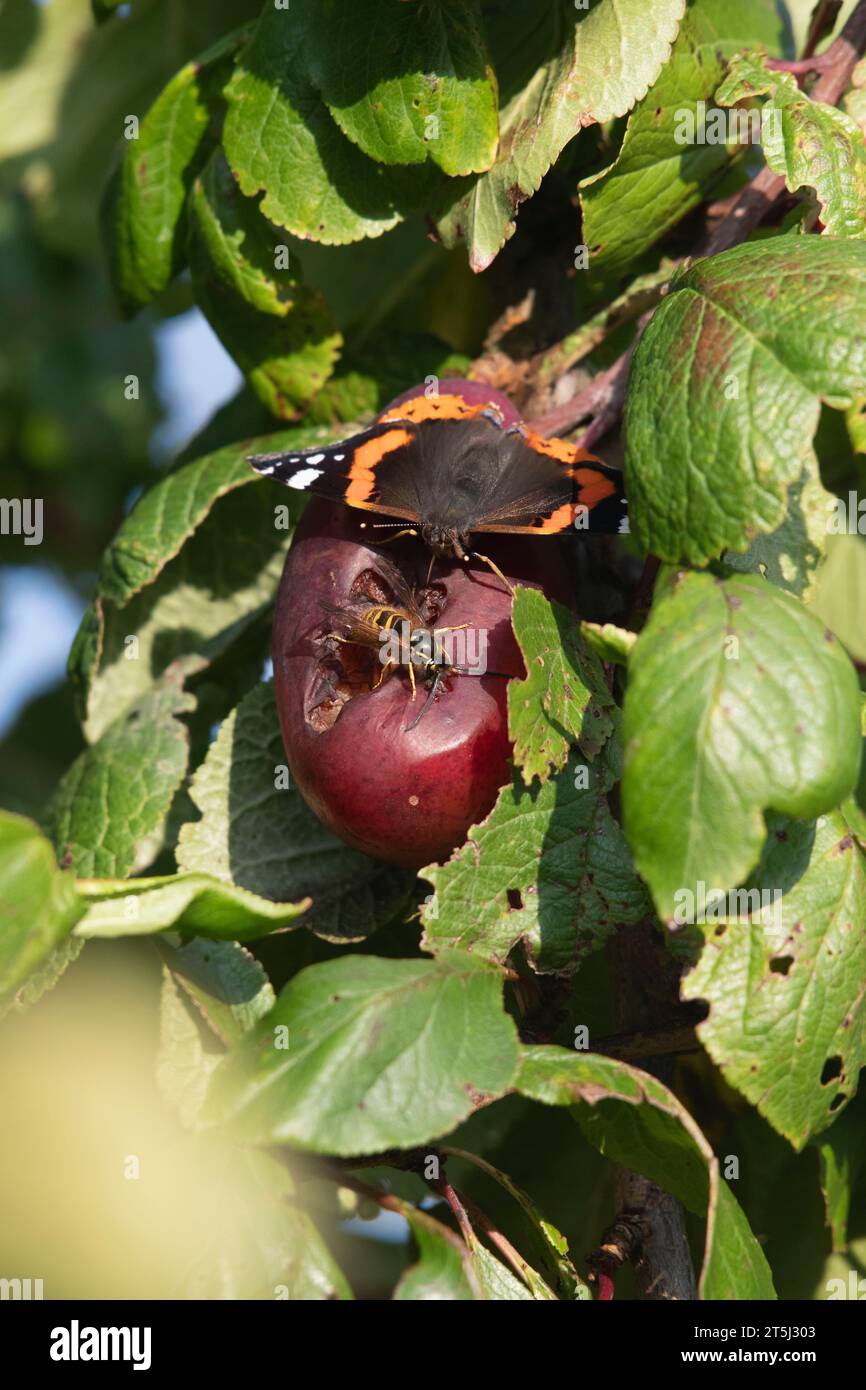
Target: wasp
{"points": [[401, 634]]}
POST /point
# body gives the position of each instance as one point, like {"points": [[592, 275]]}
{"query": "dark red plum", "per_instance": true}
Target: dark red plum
{"points": [[405, 795]]}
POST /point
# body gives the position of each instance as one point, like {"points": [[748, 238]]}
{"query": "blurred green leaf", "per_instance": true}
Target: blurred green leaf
{"points": [[439, 1272], [280, 333], [212, 994], [38, 903], [183, 902], [842, 1152]]}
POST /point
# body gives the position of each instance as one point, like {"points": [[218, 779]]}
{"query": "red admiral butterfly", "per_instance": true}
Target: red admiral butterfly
{"points": [[451, 468]]}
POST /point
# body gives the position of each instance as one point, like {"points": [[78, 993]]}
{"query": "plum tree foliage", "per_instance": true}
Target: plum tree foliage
{"points": [[649, 953]]}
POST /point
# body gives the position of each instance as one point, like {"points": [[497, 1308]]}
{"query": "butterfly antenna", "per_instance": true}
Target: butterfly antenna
{"points": [[407, 531]]}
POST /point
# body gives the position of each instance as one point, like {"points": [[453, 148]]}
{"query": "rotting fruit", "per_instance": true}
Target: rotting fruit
{"points": [[400, 794]]}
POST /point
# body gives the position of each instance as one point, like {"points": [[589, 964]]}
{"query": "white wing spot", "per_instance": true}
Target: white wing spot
{"points": [[315, 458], [338, 458], [305, 478]]}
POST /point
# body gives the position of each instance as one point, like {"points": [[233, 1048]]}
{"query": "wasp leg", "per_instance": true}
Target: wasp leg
{"points": [[412, 681], [387, 668]]}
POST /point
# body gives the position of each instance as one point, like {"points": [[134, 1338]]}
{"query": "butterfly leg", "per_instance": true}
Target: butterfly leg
{"points": [[476, 554]]}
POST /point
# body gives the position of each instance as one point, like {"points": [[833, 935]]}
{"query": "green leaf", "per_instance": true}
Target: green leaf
{"points": [[194, 903], [564, 699], [738, 700], [560, 69], [842, 1152], [38, 904], [63, 109], [549, 866], [185, 576], [105, 816], [496, 1281], [344, 1078], [142, 214], [726, 387], [840, 595], [281, 334], [791, 555], [808, 143], [406, 83], [44, 978], [212, 994], [609, 642], [782, 970], [224, 982], [188, 1055], [258, 1242], [439, 1272], [656, 177], [280, 139], [265, 838], [551, 1246], [636, 1121]]}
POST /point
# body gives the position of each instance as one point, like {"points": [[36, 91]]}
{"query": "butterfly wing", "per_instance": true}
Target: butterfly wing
{"points": [[548, 485], [372, 470]]}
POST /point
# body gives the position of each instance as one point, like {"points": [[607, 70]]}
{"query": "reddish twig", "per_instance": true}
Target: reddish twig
{"points": [[823, 21], [621, 1244]]}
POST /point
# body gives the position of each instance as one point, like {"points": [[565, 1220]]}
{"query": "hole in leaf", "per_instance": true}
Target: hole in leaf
{"points": [[515, 899], [832, 1068], [780, 965]]}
